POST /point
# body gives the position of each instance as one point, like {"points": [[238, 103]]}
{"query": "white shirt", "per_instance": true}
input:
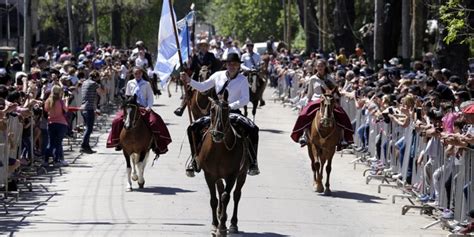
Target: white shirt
{"points": [[316, 86], [123, 72], [247, 63], [238, 88], [141, 62], [230, 50], [145, 91]]}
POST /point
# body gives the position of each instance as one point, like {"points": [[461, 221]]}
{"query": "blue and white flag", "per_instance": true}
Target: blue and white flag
{"points": [[168, 58]]}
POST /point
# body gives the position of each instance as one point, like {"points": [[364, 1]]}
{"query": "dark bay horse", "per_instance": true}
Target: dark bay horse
{"points": [[257, 85], [136, 139], [323, 139], [199, 103], [223, 157]]}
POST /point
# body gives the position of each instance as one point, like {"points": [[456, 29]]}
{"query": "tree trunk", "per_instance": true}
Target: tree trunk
{"points": [[310, 27], [94, 21], [27, 35], [344, 17], [70, 24], [418, 23], [378, 33], [320, 24], [116, 25], [406, 33], [288, 31], [392, 28], [285, 27]]}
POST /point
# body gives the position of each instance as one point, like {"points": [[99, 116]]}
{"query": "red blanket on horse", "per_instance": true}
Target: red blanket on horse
{"points": [[308, 113], [155, 123]]}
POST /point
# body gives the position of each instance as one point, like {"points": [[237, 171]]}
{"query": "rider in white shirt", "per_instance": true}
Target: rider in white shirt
{"points": [[230, 48], [238, 96], [250, 60]]}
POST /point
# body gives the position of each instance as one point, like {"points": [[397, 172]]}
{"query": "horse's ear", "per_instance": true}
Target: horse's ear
{"points": [[226, 95]]}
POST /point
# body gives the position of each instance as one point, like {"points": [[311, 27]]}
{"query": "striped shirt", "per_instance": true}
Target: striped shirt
{"points": [[89, 95]]}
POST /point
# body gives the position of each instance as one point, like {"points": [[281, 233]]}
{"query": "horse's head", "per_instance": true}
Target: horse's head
{"points": [[203, 73], [327, 108], [220, 122], [131, 112]]}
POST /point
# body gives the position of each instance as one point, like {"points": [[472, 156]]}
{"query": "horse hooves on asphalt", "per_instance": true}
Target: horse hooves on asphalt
{"points": [[327, 192], [233, 229], [141, 185]]}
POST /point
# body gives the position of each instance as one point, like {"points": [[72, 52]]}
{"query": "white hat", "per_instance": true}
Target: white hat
{"points": [[394, 61], [202, 41], [3, 72], [20, 74]]}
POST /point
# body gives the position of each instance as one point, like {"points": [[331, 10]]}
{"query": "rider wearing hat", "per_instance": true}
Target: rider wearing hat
{"points": [[238, 88], [142, 89], [202, 58], [250, 59]]}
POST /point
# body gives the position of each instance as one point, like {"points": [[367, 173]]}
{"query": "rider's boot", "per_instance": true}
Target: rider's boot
{"points": [[179, 111], [303, 140], [253, 167], [118, 147]]}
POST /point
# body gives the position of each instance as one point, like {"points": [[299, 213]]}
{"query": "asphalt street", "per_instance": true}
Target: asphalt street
{"points": [[89, 198]]}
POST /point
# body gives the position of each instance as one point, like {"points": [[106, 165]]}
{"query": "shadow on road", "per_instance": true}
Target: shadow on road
{"points": [[276, 131], [356, 196], [264, 234], [164, 190]]}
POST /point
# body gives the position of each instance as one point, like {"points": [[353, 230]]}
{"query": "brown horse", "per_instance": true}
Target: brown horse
{"points": [[199, 103], [323, 138], [136, 139], [223, 157], [257, 85]]}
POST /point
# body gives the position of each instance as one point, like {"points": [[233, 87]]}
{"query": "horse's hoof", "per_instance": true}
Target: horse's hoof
{"points": [[129, 189], [134, 177], [140, 185], [233, 229], [319, 189], [327, 192], [214, 230]]}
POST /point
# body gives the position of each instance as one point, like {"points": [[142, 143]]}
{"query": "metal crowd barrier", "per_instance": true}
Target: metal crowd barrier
{"points": [[446, 179]]}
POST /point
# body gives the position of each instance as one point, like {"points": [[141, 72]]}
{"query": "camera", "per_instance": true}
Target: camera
{"points": [[390, 110]]}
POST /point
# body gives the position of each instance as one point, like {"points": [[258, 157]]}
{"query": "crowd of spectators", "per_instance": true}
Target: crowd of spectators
{"points": [[62, 94]]}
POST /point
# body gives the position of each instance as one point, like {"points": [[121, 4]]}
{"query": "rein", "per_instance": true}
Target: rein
{"points": [[135, 117], [219, 118]]}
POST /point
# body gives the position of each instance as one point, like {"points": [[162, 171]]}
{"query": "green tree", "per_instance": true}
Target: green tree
{"points": [[254, 19], [456, 15]]}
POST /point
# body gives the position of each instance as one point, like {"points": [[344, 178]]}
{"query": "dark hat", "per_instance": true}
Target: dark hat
{"points": [[232, 57]]}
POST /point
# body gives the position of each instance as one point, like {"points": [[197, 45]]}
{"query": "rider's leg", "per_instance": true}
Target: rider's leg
{"points": [[180, 110], [195, 133], [253, 168], [114, 135]]}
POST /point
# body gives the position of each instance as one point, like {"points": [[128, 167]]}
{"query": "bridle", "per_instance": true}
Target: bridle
{"points": [[134, 110], [220, 123], [327, 116]]}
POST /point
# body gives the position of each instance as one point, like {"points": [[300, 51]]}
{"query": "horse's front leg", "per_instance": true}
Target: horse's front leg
{"points": [[328, 172], [318, 167], [129, 170], [211, 184], [254, 109], [245, 111], [237, 194], [225, 198], [141, 168]]}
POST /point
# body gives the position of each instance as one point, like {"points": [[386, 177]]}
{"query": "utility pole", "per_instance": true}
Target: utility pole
{"points": [[378, 33], [27, 35], [406, 33], [70, 26], [94, 19]]}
